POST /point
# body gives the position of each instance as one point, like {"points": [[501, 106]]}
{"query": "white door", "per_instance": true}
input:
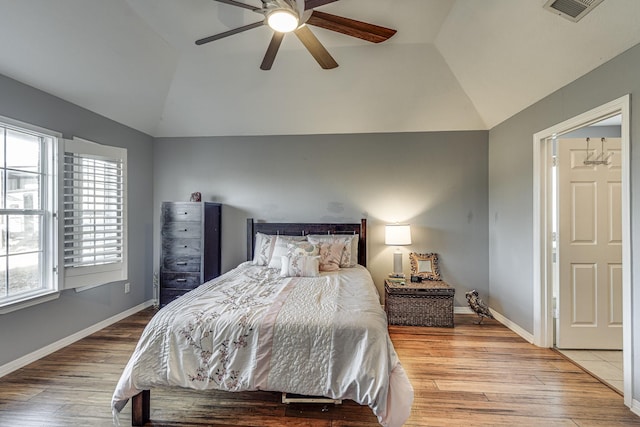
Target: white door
{"points": [[589, 246]]}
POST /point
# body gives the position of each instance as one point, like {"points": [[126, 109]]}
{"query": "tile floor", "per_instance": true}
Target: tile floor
{"points": [[606, 365]]}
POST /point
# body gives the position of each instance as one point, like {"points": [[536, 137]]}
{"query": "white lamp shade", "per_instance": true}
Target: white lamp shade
{"points": [[397, 234]]}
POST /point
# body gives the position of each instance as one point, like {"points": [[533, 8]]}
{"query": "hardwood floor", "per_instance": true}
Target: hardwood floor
{"points": [[469, 375]]}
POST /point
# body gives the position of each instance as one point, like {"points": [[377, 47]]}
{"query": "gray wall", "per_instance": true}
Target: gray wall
{"points": [[30, 329], [511, 185], [435, 181]]}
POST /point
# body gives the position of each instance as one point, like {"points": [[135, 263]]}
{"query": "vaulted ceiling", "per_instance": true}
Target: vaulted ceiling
{"points": [[453, 64]]}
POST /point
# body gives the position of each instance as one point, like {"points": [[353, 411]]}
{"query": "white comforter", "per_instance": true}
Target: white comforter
{"points": [[253, 330]]}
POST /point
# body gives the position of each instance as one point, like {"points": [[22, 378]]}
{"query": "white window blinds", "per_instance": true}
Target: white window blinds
{"points": [[94, 214]]}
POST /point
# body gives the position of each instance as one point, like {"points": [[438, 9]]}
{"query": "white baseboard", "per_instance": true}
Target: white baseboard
{"points": [[53, 347], [513, 326], [635, 407], [462, 310], [500, 318]]}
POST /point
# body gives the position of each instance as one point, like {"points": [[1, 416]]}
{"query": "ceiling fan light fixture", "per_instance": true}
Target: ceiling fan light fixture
{"points": [[283, 20]]}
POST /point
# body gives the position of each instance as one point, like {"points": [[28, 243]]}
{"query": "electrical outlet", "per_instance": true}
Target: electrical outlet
{"points": [[127, 288]]}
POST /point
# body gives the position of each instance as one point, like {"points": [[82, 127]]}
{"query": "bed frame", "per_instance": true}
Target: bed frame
{"points": [[141, 402]]}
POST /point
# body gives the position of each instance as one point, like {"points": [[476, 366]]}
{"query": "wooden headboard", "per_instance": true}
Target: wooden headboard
{"points": [[303, 229]]}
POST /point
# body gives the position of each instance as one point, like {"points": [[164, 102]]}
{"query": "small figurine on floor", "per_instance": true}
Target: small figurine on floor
{"points": [[478, 306]]}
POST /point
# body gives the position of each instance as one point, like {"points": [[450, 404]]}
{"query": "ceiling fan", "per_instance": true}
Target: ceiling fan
{"points": [[284, 16]]}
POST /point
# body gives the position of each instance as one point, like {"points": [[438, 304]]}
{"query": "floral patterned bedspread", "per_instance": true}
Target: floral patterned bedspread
{"points": [[250, 329]]}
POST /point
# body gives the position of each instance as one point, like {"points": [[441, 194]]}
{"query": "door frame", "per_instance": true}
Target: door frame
{"points": [[542, 239]]}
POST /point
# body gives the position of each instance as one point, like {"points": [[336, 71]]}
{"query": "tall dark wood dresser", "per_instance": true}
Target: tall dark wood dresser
{"points": [[190, 252]]}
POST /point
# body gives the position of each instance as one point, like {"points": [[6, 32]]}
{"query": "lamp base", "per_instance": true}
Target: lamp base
{"points": [[397, 265]]}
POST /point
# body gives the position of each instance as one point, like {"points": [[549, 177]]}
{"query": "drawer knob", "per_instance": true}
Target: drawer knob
{"points": [[181, 280], [181, 263]]}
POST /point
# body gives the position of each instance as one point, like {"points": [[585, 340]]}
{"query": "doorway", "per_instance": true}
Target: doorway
{"points": [[587, 231], [544, 269]]}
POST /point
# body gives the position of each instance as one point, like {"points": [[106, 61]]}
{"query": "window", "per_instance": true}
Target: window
{"points": [[27, 240], [94, 214], [39, 174]]}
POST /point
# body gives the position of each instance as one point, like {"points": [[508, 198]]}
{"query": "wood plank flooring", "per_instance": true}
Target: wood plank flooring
{"points": [[481, 375]]}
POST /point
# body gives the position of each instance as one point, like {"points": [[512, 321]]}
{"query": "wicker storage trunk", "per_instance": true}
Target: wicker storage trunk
{"points": [[428, 303]]}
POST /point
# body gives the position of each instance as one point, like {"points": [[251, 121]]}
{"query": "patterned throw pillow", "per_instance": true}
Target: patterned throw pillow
{"points": [[350, 254], [302, 249], [281, 247], [300, 266], [263, 249], [330, 256]]}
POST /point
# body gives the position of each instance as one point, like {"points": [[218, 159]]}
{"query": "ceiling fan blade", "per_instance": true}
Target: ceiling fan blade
{"points": [[237, 3], [272, 50], [310, 4], [313, 45], [229, 33], [351, 27]]}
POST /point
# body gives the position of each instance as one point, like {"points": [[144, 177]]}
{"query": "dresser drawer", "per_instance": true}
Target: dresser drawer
{"points": [[178, 264], [182, 212], [180, 280], [182, 230], [181, 248], [168, 295]]}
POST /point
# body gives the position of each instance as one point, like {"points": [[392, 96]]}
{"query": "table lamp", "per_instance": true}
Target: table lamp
{"points": [[397, 235]]}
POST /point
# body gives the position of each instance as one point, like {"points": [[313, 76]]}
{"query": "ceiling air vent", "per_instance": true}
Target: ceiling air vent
{"points": [[573, 10]]}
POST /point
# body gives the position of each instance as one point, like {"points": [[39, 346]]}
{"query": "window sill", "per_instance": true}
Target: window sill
{"points": [[28, 301]]}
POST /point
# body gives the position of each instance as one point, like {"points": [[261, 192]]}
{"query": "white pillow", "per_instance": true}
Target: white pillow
{"points": [[263, 249], [280, 248], [300, 266], [350, 255]]}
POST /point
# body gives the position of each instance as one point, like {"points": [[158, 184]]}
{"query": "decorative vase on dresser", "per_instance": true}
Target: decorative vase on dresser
{"points": [[190, 251]]}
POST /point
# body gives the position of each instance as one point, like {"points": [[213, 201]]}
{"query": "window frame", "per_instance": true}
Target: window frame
{"points": [[49, 206]]}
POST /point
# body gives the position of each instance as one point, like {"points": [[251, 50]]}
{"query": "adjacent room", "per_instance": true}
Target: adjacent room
{"points": [[499, 132]]}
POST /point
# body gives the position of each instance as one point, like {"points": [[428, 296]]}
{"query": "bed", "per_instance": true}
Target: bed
{"points": [[301, 316]]}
